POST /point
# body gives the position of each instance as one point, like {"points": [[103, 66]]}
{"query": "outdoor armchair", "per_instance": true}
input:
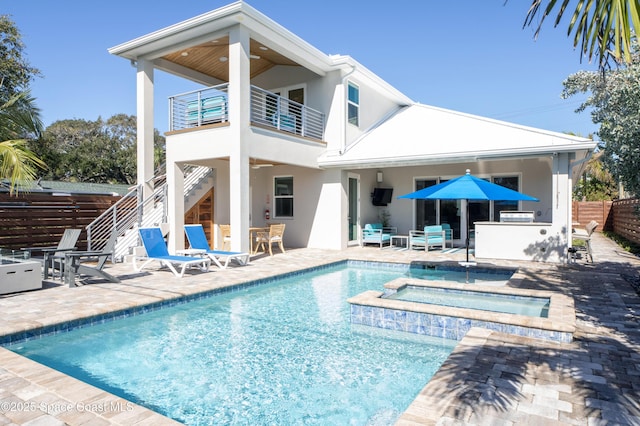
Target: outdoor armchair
{"points": [[90, 263], [267, 239], [375, 233], [430, 236], [225, 234], [448, 234], [52, 256]]}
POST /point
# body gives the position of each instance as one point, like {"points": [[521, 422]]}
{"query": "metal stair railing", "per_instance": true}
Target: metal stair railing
{"points": [[193, 178], [131, 212]]}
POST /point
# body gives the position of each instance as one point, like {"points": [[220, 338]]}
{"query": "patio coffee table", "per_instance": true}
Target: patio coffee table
{"points": [[399, 241]]}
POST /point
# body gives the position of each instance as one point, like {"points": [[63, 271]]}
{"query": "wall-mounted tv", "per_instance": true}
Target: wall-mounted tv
{"points": [[382, 196]]}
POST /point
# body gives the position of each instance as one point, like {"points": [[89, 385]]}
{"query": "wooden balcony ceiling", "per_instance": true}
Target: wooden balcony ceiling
{"points": [[211, 58]]}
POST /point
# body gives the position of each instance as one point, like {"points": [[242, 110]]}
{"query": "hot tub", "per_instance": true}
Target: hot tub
{"points": [[384, 310]]}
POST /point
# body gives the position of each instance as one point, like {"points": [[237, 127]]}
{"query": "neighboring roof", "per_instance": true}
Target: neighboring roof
{"points": [[421, 134], [73, 188]]}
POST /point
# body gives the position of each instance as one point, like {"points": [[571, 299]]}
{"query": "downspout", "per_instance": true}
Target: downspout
{"points": [[343, 121]]}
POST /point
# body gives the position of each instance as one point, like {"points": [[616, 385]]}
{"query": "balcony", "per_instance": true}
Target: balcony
{"points": [[211, 106]]}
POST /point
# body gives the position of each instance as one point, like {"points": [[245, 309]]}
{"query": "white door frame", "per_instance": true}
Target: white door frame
{"points": [[356, 241]]}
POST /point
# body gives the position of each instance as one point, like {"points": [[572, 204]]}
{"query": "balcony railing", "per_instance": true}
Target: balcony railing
{"points": [[269, 109], [199, 107], [208, 106]]}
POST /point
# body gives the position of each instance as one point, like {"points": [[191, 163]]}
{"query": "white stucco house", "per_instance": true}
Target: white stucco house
{"points": [[308, 137]]}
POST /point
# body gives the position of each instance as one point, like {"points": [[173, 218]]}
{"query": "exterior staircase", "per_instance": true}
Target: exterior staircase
{"points": [[131, 212]]}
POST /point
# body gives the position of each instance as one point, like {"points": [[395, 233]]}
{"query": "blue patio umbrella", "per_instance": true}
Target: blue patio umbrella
{"points": [[469, 188]]}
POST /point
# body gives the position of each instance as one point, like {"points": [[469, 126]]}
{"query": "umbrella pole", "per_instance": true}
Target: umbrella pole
{"points": [[468, 230]]}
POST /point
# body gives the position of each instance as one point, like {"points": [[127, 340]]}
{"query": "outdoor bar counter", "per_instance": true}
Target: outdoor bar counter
{"points": [[537, 241]]}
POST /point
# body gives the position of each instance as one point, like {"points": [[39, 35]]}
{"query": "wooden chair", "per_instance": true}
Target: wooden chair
{"points": [[267, 239], [225, 234]]}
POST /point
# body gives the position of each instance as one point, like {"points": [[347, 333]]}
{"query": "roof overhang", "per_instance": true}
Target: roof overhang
{"points": [[425, 135], [217, 23]]}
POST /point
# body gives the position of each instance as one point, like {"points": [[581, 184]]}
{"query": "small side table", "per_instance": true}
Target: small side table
{"points": [[191, 252], [399, 241]]}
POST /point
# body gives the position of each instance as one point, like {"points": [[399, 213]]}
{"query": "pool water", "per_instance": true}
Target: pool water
{"points": [[280, 353], [458, 274], [511, 304]]}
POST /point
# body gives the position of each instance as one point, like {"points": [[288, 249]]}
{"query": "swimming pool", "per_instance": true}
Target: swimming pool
{"points": [[460, 274], [510, 304], [277, 353]]}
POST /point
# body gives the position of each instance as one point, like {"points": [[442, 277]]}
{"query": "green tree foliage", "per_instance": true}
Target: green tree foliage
{"points": [[614, 100], [602, 28], [93, 151], [596, 183], [19, 121], [15, 71], [19, 116]]}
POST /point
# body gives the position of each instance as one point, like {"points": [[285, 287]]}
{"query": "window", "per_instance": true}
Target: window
{"points": [[353, 104], [511, 182], [426, 212], [283, 196]]}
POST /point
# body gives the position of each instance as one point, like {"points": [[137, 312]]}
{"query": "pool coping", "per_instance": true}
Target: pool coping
{"points": [[371, 308], [25, 369], [48, 326], [39, 330]]}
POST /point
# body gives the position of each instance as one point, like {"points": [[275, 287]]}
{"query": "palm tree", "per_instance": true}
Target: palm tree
{"points": [[19, 120], [598, 25]]}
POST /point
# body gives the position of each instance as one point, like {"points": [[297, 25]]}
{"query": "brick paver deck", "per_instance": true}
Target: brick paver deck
{"points": [[490, 378]]}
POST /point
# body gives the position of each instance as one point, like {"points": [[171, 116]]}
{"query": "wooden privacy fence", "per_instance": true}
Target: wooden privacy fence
{"points": [[39, 219], [621, 217], [600, 211], [626, 219]]}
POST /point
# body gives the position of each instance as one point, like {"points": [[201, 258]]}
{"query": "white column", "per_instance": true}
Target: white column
{"points": [[562, 195], [175, 202], [144, 102], [239, 100]]}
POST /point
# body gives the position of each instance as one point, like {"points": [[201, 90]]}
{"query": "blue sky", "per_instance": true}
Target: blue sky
{"points": [[466, 55]]}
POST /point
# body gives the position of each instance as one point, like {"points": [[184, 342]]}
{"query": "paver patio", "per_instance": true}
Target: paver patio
{"points": [[490, 378]]}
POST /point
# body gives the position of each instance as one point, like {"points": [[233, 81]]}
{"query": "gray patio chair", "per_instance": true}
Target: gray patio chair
{"points": [[76, 263], [585, 235], [54, 255]]}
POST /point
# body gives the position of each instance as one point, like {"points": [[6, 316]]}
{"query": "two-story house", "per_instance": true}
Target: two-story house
{"points": [[304, 138]]}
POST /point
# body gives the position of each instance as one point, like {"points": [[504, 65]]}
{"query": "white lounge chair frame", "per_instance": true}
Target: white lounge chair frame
{"points": [[198, 241], [156, 248]]}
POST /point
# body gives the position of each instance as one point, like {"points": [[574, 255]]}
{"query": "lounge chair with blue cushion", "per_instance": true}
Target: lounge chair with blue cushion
{"points": [[156, 248], [375, 233], [430, 236], [198, 240]]}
